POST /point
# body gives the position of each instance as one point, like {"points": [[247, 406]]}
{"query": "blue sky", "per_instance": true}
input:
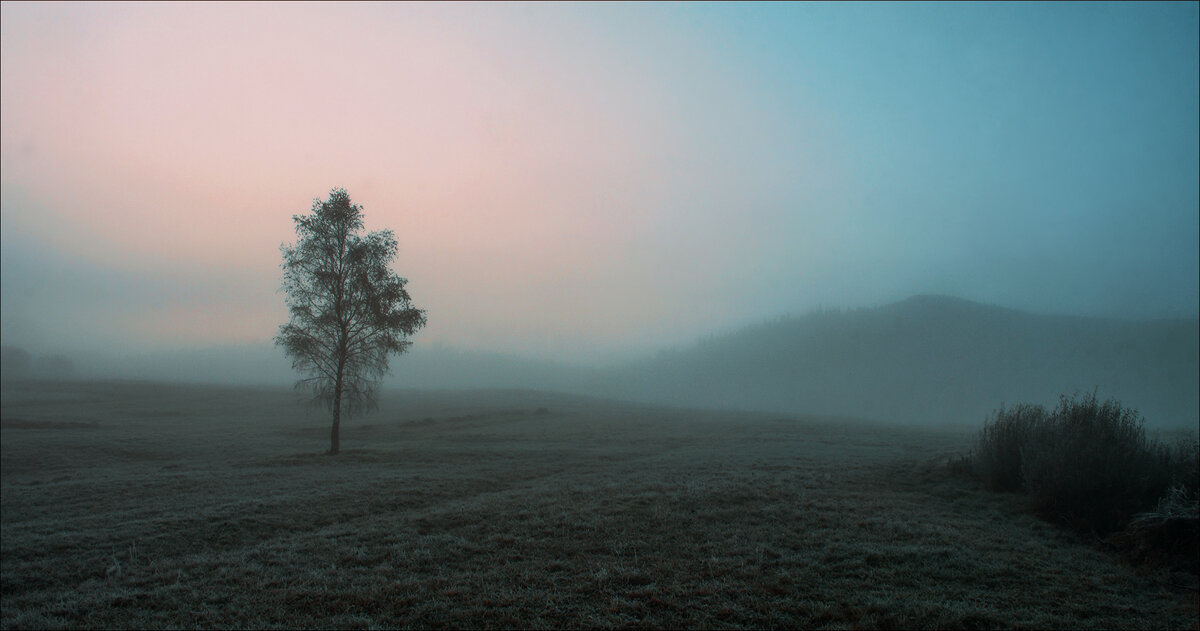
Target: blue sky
{"points": [[1042, 156]]}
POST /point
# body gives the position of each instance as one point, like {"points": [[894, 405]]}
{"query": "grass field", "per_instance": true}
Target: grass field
{"points": [[148, 505]]}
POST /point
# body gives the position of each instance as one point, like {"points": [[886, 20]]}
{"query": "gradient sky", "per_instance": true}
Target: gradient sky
{"points": [[582, 181]]}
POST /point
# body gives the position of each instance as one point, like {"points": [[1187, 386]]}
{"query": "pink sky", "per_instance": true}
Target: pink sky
{"points": [[524, 184], [572, 180]]}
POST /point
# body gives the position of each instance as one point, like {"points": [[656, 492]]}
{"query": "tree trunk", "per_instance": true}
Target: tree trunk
{"points": [[333, 435], [340, 309], [334, 440]]}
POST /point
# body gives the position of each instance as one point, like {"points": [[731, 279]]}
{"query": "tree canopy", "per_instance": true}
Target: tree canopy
{"points": [[349, 310]]}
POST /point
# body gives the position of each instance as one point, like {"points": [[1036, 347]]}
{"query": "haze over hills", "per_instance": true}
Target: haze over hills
{"points": [[925, 359], [929, 358]]}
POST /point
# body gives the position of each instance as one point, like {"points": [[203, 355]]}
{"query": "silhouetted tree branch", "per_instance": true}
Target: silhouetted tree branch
{"points": [[349, 310]]}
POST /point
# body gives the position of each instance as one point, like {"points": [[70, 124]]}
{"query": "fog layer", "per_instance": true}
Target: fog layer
{"points": [[928, 359]]}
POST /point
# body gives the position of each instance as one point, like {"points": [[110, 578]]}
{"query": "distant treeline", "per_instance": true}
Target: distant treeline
{"points": [[17, 363], [926, 359], [929, 359]]}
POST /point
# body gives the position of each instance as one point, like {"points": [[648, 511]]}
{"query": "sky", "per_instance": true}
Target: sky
{"points": [[590, 181]]}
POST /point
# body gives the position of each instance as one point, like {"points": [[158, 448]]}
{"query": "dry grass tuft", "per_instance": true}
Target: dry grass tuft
{"points": [[1166, 537]]}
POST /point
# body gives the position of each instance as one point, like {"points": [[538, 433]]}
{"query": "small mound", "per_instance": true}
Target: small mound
{"points": [[1167, 537]]}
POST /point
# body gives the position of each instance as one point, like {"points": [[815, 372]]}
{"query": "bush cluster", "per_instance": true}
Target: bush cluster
{"points": [[1001, 442], [1086, 464]]}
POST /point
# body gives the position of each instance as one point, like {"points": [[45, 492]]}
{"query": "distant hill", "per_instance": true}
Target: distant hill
{"points": [[928, 358]]}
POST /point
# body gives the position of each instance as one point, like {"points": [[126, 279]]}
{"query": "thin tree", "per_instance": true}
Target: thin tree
{"points": [[349, 310]]}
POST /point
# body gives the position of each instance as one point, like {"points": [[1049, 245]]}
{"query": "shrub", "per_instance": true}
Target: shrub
{"points": [[1183, 462], [998, 454], [1091, 466], [1086, 464]]}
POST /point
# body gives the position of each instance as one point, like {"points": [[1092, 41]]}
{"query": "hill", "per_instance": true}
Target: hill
{"points": [[928, 358]]}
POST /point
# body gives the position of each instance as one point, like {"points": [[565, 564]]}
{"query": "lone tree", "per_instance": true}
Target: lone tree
{"points": [[349, 310]]}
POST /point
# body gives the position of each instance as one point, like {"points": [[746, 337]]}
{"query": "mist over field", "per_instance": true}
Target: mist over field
{"points": [[928, 359], [663, 315]]}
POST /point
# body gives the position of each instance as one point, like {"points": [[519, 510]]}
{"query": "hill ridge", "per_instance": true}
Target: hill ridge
{"points": [[929, 357]]}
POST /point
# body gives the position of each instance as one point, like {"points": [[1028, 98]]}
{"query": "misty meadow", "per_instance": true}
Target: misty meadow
{"points": [[366, 315]]}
